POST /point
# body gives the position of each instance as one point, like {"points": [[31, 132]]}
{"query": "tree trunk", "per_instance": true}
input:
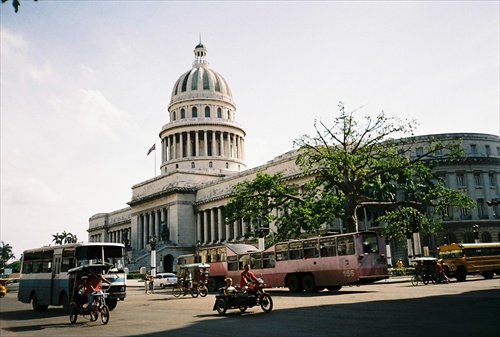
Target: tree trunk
{"points": [[351, 218]]}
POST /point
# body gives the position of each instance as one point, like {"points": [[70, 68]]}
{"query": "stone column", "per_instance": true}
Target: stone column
{"points": [[181, 145], [205, 227], [221, 136], [214, 145], [219, 223], [189, 149], [197, 143], [205, 143], [198, 227], [212, 225]]}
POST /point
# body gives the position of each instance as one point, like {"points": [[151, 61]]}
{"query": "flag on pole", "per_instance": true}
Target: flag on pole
{"points": [[152, 149]]}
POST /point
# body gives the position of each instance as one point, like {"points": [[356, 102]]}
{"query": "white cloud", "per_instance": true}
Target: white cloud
{"points": [[27, 192]]}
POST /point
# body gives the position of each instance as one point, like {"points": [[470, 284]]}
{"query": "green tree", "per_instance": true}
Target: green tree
{"points": [[353, 165], [6, 254]]}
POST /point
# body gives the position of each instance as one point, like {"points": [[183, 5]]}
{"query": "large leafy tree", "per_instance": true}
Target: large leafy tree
{"points": [[354, 164], [6, 254]]}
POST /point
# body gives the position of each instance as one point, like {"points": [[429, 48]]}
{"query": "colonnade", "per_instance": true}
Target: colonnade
{"points": [[115, 236], [149, 224], [211, 228], [203, 143]]}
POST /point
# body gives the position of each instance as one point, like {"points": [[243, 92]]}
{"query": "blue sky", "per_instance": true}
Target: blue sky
{"points": [[85, 86]]}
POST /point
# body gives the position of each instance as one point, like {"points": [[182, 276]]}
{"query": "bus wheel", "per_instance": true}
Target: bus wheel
{"points": [[65, 302], [487, 274], [111, 303], [294, 284], [308, 284], [35, 305], [334, 288], [461, 274]]}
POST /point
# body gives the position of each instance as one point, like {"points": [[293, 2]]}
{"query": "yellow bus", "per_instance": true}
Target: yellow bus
{"points": [[471, 258]]}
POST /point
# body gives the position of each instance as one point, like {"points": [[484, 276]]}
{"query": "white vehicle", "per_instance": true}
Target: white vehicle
{"points": [[163, 280], [12, 284]]}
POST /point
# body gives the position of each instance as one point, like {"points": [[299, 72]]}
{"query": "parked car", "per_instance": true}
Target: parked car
{"points": [[3, 291], [163, 280], [12, 284]]}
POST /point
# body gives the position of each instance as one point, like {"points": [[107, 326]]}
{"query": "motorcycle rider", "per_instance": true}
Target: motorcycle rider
{"points": [[247, 277]]}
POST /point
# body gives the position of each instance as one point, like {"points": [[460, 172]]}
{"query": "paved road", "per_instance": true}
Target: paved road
{"points": [[469, 308]]}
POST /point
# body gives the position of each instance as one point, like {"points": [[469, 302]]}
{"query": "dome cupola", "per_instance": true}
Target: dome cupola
{"points": [[202, 134]]}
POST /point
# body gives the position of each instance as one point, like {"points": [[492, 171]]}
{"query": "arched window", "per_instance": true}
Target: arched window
{"points": [[183, 113], [194, 112], [192, 165], [176, 166], [486, 237], [219, 113], [174, 115], [469, 237], [210, 164], [207, 111], [227, 165]]}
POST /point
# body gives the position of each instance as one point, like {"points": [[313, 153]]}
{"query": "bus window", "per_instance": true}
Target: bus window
{"points": [[47, 261], [310, 248], [256, 261], [345, 245], [221, 254], [328, 247], [296, 251], [27, 263], [243, 260], [232, 263], [370, 243], [281, 252], [268, 260]]}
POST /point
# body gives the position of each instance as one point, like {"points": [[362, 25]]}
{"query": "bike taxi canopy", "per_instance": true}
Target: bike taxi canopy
{"points": [[195, 265]]}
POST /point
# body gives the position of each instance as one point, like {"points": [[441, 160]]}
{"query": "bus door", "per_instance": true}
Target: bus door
{"points": [[348, 264], [56, 272]]}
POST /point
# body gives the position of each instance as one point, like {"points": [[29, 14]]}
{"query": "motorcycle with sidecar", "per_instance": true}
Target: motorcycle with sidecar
{"points": [[251, 296]]}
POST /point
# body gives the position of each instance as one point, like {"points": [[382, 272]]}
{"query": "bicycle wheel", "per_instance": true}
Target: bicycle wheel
{"points": [[414, 280], [176, 291], [203, 292]]}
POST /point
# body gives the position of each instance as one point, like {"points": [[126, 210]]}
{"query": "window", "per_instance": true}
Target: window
{"points": [[473, 149], [420, 151], [310, 249], [488, 151], [194, 112], [281, 252], [219, 113], [174, 116], [210, 164], [464, 213], [345, 245], [477, 179], [207, 112], [296, 252], [183, 113], [327, 247], [192, 165], [460, 179], [268, 260], [481, 213], [256, 261], [491, 178]]}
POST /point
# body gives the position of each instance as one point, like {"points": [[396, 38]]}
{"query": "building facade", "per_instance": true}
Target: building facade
{"points": [[202, 157]]}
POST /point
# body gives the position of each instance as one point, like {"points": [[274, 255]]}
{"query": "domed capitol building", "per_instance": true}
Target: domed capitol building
{"points": [[203, 157]]}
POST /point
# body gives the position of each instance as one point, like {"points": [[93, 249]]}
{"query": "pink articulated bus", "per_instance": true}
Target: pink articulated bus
{"points": [[308, 265]]}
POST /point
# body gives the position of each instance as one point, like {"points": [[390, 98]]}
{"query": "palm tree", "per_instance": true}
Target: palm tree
{"points": [[6, 254], [64, 237], [58, 238]]}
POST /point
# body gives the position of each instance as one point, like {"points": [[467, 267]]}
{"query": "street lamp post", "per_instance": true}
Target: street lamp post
{"points": [[475, 231], [152, 245], [198, 244]]}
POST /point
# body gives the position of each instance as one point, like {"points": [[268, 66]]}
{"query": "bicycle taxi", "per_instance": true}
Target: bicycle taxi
{"points": [[79, 299], [425, 270], [190, 281]]}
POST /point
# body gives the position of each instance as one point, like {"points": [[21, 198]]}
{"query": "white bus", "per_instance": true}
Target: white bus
{"points": [[44, 272]]}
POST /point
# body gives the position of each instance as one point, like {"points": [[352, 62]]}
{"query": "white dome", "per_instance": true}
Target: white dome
{"points": [[201, 82]]}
